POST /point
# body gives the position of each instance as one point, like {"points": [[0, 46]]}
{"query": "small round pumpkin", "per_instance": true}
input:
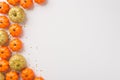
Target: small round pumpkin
{"points": [[17, 62], [27, 74], [2, 77], [13, 2], [4, 22], [15, 30], [27, 4], [15, 44], [4, 65], [12, 75], [4, 7], [38, 78], [3, 37], [16, 14], [5, 52]]}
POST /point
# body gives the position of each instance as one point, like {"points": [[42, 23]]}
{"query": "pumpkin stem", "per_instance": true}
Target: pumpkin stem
{"points": [[14, 44], [10, 77], [0, 65], [25, 1], [15, 14]]}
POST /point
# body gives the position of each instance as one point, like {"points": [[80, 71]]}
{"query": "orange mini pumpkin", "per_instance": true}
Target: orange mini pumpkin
{"points": [[4, 65], [27, 74], [39, 78], [12, 75], [26, 3], [40, 1], [15, 30], [13, 2], [5, 52], [4, 22], [15, 44], [4, 7]]}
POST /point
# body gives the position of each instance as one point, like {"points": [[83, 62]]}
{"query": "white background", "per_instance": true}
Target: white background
{"points": [[74, 39]]}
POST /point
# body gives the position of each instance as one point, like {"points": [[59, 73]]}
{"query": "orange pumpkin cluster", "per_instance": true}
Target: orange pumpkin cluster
{"points": [[15, 44]]}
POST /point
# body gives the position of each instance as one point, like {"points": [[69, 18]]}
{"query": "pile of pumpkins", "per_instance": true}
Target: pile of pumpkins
{"points": [[14, 66]]}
